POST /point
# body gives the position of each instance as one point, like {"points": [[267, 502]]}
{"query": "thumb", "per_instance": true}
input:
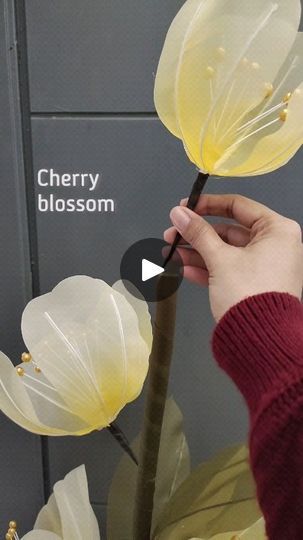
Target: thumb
{"points": [[198, 233]]}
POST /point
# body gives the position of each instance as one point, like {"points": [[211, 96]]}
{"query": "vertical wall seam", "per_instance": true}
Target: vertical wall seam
{"points": [[26, 128]]}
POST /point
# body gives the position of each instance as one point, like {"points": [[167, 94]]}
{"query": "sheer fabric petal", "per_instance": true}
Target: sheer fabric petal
{"points": [[41, 535], [48, 518], [68, 512], [77, 517], [220, 60], [15, 402], [141, 308], [165, 94], [86, 338], [31, 411]]}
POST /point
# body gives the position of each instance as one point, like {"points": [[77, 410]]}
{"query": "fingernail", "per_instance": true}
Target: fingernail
{"points": [[180, 218]]}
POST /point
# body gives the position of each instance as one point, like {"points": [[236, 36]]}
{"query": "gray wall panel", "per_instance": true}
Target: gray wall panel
{"points": [[20, 453], [95, 55], [145, 171], [100, 511]]}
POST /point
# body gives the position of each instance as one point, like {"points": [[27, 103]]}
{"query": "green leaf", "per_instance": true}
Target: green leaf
{"points": [[173, 468], [216, 498]]}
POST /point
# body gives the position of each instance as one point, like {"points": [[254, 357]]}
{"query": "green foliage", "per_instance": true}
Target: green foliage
{"points": [[216, 498]]}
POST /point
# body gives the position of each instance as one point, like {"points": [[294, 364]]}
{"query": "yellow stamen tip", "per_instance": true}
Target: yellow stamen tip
{"points": [[12, 532], [20, 371], [287, 97], [283, 115], [210, 72], [37, 369], [12, 525], [26, 357], [269, 90], [221, 52], [255, 65]]}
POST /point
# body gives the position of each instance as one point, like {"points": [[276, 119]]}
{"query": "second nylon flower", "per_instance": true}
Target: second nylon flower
{"points": [[68, 515], [90, 345], [229, 84]]}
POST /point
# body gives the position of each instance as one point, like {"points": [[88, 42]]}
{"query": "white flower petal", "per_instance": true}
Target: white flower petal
{"points": [[123, 369], [14, 400], [68, 512], [141, 308], [77, 517], [51, 410], [41, 535], [34, 412], [48, 518], [85, 338]]}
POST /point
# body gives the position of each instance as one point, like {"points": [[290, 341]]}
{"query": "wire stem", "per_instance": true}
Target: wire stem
{"points": [[118, 434], [193, 200]]}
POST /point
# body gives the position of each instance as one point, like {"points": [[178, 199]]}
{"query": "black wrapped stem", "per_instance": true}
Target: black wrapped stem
{"points": [[193, 200]]}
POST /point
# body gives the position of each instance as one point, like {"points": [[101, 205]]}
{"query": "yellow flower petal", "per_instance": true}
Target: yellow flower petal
{"points": [[85, 337], [271, 152], [167, 76], [219, 63]]}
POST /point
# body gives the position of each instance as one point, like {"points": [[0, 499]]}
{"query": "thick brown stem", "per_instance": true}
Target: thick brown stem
{"points": [[160, 362]]}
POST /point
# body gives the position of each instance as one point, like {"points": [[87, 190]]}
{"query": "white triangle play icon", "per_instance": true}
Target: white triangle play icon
{"points": [[150, 270]]}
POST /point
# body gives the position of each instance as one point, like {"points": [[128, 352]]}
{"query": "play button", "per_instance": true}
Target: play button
{"points": [[143, 265], [150, 270]]}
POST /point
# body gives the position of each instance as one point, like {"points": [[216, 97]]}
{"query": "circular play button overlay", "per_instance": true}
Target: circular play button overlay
{"points": [[143, 265]]}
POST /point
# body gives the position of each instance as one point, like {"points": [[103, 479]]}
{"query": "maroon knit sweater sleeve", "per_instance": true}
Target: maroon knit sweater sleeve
{"points": [[259, 344]]}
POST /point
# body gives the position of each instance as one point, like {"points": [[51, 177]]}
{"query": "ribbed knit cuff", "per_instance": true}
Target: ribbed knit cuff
{"points": [[259, 344]]}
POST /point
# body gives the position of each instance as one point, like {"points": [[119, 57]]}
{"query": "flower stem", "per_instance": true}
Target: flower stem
{"points": [[120, 437], [160, 361], [193, 200]]}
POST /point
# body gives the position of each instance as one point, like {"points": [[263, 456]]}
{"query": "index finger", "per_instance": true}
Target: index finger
{"points": [[245, 211]]}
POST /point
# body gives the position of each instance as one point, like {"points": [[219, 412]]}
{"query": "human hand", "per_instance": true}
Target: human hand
{"points": [[261, 252]]}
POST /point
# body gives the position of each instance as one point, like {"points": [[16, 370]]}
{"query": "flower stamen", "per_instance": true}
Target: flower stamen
{"points": [[269, 87], [260, 117], [282, 81], [12, 531], [287, 97], [26, 357], [281, 117], [221, 53], [226, 103], [210, 72], [258, 130]]}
